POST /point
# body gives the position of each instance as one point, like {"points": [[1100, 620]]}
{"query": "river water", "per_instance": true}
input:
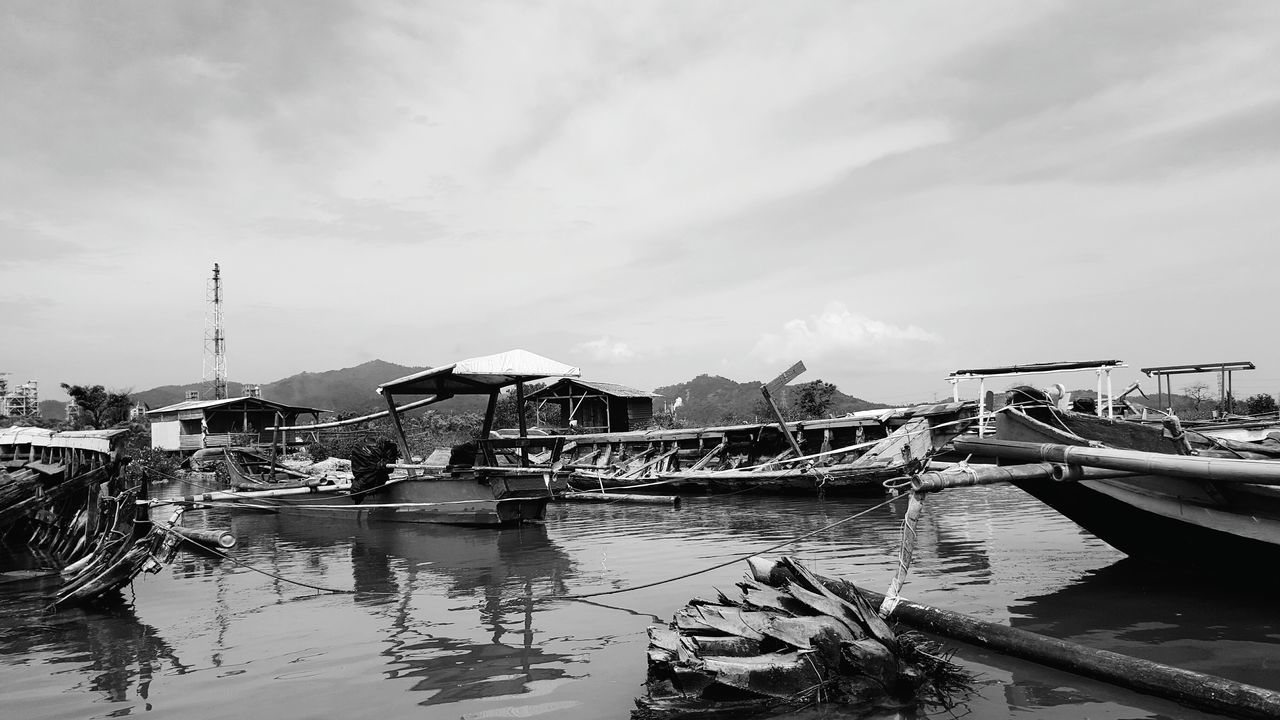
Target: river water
{"points": [[461, 623]]}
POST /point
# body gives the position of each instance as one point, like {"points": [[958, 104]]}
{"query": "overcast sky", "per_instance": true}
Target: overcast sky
{"points": [[888, 191]]}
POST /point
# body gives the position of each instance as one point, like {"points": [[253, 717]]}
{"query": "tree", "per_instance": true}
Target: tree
{"points": [[96, 406], [1198, 394], [813, 399], [506, 415], [1259, 404]]}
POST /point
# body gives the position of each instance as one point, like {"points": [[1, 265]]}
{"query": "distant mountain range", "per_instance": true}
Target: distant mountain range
{"points": [[706, 399], [711, 399], [349, 389]]}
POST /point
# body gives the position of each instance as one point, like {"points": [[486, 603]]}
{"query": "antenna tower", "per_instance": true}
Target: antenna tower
{"points": [[215, 343]]}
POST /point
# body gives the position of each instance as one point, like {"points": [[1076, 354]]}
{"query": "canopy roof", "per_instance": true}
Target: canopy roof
{"points": [[100, 440], [558, 390], [1198, 368], [226, 402], [479, 375], [1035, 368]]}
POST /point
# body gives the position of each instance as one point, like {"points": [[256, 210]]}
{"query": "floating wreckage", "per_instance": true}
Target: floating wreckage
{"points": [[63, 496], [789, 640]]}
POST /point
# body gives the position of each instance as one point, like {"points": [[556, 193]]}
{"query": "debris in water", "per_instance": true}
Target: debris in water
{"points": [[789, 640]]}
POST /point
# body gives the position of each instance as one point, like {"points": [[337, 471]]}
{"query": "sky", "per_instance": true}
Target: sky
{"points": [[887, 191]]}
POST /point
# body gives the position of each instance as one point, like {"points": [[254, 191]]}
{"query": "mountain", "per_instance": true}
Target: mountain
{"points": [[707, 399], [349, 389], [53, 409], [711, 400]]}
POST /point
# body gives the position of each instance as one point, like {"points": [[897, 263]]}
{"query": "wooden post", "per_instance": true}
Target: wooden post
{"points": [[769, 388], [278, 423], [489, 412], [524, 431], [782, 424], [401, 440]]}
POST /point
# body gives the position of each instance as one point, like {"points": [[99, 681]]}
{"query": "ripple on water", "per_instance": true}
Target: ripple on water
{"points": [[466, 623]]}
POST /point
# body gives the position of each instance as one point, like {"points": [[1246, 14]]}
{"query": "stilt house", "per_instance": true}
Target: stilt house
{"points": [[590, 406], [231, 422]]}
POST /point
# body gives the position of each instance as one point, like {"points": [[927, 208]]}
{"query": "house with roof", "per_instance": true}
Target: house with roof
{"points": [[193, 425], [590, 406]]}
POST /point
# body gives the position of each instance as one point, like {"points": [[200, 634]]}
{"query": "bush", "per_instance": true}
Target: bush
{"points": [[148, 464], [1259, 404], [318, 451]]}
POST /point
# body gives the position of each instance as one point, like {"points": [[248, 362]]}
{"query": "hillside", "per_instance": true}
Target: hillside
{"points": [[708, 399], [711, 399], [349, 389]]}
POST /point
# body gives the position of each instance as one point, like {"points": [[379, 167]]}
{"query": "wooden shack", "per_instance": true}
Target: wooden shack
{"points": [[193, 425], [590, 406]]}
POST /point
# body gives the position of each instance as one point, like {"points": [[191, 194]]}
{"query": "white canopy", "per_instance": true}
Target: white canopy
{"points": [[480, 375]]}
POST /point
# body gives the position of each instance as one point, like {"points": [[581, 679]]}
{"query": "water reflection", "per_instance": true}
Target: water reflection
{"points": [[1195, 622], [414, 575], [108, 645]]}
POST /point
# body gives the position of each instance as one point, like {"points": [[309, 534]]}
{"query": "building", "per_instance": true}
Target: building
{"points": [[21, 401], [231, 422], [589, 406]]}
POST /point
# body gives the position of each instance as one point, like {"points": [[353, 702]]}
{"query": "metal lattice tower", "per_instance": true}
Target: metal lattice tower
{"points": [[23, 401], [215, 343]]}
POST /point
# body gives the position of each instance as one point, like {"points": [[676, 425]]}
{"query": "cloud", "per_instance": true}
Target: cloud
{"points": [[837, 330], [605, 350]]}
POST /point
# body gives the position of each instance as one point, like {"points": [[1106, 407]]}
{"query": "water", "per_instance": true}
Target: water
{"points": [[458, 623]]}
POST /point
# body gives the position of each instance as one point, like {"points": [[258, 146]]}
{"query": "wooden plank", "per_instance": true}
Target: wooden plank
{"points": [[773, 386]]}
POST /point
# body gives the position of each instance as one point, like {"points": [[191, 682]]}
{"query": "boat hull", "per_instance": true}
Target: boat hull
{"points": [[446, 501], [1202, 524]]}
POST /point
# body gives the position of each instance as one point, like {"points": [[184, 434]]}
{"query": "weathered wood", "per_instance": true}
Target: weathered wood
{"points": [[620, 497], [206, 538], [791, 373], [1185, 686]]}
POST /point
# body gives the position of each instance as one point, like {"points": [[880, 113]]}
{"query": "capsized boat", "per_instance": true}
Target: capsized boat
{"points": [[503, 488]]}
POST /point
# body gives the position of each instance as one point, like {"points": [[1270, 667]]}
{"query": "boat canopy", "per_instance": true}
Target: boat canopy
{"points": [[483, 375], [1164, 383], [1198, 368], [1034, 368], [1103, 369]]}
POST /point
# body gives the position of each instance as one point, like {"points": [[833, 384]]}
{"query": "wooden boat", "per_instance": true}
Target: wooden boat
{"points": [[503, 488], [851, 454], [1146, 494], [63, 496], [248, 469]]}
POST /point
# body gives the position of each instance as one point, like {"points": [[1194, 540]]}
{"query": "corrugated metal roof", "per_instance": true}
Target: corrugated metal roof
{"points": [[99, 440], [613, 389], [206, 404]]}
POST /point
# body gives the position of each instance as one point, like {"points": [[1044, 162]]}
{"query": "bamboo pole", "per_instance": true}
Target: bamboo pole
{"points": [[207, 538], [1261, 472], [974, 475], [1188, 687], [620, 497], [362, 418]]}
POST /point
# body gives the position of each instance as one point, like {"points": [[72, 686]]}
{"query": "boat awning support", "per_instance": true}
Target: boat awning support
{"points": [[1102, 368]]}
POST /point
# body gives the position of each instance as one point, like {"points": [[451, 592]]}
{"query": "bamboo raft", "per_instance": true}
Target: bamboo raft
{"points": [[63, 497], [852, 454]]}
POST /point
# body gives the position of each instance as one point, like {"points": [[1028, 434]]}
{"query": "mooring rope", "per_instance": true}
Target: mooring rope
{"points": [[247, 566], [736, 559]]}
